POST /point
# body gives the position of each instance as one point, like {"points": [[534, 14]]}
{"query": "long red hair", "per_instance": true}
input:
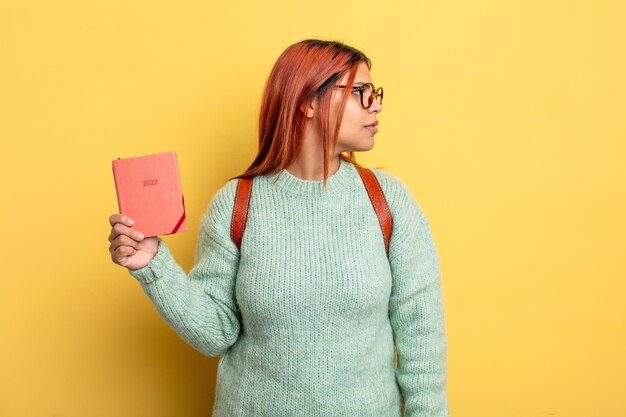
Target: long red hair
{"points": [[305, 71]]}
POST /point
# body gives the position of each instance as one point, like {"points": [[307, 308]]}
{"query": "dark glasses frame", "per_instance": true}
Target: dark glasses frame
{"points": [[376, 94]]}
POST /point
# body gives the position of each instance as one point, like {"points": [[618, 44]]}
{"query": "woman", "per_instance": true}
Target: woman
{"points": [[309, 311]]}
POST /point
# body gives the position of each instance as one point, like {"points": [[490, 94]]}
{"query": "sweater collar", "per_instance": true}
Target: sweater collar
{"points": [[340, 182]]}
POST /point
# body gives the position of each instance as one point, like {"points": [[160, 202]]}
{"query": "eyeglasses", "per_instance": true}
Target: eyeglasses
{"points": [[368, 94]]}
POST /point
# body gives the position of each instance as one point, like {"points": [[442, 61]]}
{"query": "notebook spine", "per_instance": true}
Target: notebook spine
{"points": [[119, 195]]}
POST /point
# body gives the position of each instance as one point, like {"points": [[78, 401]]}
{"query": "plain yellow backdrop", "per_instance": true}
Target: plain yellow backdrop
{"points": [[506, 119]]}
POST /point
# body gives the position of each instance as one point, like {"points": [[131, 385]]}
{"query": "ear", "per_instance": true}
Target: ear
{"points": [[309, 108]]}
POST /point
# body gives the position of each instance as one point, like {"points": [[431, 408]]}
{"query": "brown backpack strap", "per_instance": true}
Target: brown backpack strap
{"points": [[374, 190], [379, 202], [240, 210]]}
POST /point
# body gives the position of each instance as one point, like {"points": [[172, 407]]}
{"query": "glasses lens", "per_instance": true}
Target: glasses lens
{"points": [[369, 94], [367, 97]]}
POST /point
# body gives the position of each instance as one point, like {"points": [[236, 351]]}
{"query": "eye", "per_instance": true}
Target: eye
{"points": [[356, 91]]}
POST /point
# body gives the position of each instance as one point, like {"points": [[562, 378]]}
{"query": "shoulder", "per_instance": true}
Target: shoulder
{"points": [[411, 229], [399, 196], [218, 213], [225, 195]]}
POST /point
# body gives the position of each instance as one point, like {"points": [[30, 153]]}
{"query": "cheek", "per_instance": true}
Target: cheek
{"points": [[353, 118]]}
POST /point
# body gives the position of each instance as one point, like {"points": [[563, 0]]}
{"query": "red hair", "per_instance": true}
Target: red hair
{"points": [[304, 72]]}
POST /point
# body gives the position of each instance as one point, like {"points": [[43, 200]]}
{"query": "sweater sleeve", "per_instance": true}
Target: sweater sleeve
{"points": [[416, 308], [201, 307]]}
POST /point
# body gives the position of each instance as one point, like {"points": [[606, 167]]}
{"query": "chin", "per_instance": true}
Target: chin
{"points": [[360, 146], [368, 145]]}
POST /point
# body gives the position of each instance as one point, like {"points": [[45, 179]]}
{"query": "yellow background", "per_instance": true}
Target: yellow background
{"points": [[506, 119]]}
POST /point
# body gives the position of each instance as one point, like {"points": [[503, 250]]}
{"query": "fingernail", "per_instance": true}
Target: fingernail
{"points": [[130, 221]]}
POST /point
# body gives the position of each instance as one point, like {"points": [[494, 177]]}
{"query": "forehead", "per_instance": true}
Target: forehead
{"points": [[362, 75]]}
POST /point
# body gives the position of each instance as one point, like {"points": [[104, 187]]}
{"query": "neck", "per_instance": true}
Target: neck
{"points": [[310, 168], [309, 165]]}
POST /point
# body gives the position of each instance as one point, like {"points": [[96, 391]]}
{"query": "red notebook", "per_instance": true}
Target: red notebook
{"points": [[149, 192]]}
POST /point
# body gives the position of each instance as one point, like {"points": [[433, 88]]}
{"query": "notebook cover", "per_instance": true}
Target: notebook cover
{"points": [[149, 192]]}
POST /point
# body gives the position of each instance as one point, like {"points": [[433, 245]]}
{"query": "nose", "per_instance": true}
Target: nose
{"points": [[376, 107]]}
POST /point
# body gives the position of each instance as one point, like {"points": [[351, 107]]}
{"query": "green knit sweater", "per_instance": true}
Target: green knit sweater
{"points": [[306, 315]]}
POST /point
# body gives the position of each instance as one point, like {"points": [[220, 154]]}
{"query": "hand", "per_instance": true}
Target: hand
{"points": [[128, 247]]}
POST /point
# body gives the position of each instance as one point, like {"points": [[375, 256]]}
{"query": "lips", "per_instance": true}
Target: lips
{"points": [[372, 127]]}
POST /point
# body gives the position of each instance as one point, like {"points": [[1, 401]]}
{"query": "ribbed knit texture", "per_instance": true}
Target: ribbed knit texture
{"points": [[305, 317]]}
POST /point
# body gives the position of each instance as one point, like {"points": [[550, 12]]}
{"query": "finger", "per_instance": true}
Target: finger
{"points": [[123, 240], [120, 229], [121, 253], [120, 218]]}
